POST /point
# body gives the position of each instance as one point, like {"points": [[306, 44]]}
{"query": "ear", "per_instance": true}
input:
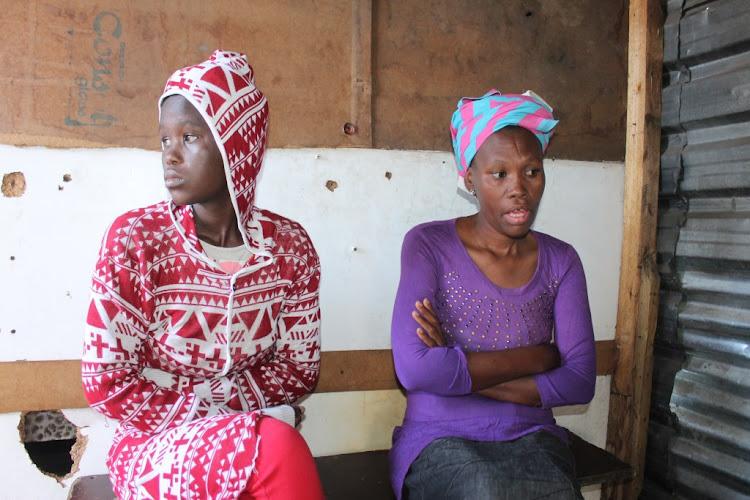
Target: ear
{"points": [[468, 180]]}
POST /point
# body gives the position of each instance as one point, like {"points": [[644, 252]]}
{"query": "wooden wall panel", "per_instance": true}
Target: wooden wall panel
{"points": [[573, 53], [88, 73], [48, 385]]}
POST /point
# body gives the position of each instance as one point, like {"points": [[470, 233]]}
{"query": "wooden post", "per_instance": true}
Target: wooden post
{"points": [[630, 392], [360, 131]]}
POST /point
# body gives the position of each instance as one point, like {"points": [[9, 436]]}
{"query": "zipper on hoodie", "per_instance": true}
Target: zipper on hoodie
{"points": [[230, 307]]}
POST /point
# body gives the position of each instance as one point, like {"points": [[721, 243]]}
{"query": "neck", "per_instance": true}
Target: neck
{"points": [[487, 238], [217, 225]]}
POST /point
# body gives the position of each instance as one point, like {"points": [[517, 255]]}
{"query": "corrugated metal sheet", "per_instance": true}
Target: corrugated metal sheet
{"points": [[699, 435]]}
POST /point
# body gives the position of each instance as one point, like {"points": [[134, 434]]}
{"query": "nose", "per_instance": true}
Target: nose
{"points": [[516, 186], [171, 155]]}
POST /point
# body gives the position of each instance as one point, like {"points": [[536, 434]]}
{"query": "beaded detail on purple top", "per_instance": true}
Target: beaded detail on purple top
{"points": [[477, 315]]}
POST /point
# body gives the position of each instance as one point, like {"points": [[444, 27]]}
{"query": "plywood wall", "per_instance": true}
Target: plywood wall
{"points": [[572, 53], [88, 73]]}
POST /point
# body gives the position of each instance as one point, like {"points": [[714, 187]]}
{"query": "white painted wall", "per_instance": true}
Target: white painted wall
{"points": [[54, 234]]}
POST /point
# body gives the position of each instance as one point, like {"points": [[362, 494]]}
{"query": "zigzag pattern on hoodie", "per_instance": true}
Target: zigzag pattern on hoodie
{"points": [[155, 304], [179, 352]]}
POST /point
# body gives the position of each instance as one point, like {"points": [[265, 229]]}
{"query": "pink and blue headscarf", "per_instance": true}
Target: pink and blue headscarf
{"points": [[479, 117]]}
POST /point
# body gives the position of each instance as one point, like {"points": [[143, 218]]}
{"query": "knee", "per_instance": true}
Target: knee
{"points": [[282, 435], [477, 479]]}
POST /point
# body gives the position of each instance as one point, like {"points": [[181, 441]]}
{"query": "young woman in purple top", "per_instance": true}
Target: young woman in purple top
{"points": [[491, 326]]}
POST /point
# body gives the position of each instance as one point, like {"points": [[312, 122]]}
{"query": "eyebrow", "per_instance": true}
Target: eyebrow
{"points": [[190, 123], [194, 123], [502, 162]]}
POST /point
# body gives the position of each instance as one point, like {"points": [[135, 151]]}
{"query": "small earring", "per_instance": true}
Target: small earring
{"points": [[473, 193]]}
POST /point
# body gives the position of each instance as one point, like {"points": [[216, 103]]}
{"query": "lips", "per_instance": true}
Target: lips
{"points": [[172, 180], [518, 216]]}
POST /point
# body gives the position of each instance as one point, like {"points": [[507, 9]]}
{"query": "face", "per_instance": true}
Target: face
{"points": [[193, 168], [507, 175]]}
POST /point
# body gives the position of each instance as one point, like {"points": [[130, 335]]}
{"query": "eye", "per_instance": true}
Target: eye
{"points": [[164, 142], [189, 138], [533, 172], [500, 174]]}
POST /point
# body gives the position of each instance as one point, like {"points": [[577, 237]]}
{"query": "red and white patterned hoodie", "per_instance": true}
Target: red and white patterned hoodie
{"points": [[159, 304]]}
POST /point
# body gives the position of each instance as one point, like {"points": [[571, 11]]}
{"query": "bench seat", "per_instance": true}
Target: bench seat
{"points": [[364, 475]]}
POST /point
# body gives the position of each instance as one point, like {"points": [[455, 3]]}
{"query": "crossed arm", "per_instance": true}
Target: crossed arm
{"points": [[559, 374], [502, 375]]}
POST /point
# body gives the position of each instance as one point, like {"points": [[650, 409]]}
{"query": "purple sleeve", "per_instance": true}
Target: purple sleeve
{"points": [[438, 370], [573, 382]]}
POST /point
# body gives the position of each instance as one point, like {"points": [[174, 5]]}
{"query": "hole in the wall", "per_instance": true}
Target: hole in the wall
{"points": [[13, 184], [54, 444]]}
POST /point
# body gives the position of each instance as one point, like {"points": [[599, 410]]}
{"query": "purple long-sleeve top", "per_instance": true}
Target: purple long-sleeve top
{"points": [[477, 315]]}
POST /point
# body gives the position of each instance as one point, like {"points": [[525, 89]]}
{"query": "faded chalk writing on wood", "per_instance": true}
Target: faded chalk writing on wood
{"points": [[89, 101], [98, 68]]}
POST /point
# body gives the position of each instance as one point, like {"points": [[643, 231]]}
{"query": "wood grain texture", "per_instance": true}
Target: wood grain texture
{"points": [[342, 371], [361, 74], [639, 278], [49, 385], [98, 67], [429, 54], [393, 69], [41, 385]]}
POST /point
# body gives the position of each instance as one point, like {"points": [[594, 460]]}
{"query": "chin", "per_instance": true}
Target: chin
{"points": [[520, 236], [178, 202], [517, 233]]}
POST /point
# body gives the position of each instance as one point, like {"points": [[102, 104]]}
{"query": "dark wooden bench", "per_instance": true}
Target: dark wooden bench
{"points": [[364, 475]]}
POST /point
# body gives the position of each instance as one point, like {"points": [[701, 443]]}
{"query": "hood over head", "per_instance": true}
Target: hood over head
{"points": [[223, 90]]}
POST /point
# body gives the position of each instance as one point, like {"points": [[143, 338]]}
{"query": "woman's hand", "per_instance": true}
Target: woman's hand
{"points": [[429, 325], [299, 414]]}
